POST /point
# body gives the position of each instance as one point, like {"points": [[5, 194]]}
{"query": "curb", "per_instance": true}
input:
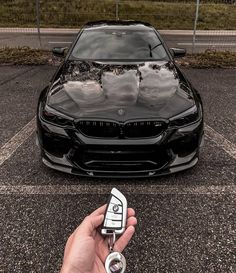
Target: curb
{"points": [[75, 31]]}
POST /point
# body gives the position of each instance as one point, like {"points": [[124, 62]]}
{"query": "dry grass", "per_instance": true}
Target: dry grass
{"points": [[25, 56]]}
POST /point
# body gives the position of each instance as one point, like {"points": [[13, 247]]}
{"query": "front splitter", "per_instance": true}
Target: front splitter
{"points": [[101, 174]]}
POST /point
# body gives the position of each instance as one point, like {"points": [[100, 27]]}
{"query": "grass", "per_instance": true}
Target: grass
{"points": [[28, 56], [25, 56], [162, 14]]}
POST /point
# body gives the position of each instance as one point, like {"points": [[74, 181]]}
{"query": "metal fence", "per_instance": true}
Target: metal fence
{"points": [[204, 24]]}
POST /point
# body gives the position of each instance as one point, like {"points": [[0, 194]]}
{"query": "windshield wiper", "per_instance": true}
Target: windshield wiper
{"points": [[151, 48]]}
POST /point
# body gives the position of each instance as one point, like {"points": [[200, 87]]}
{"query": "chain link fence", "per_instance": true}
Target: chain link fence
{"points": [[212, 21]]}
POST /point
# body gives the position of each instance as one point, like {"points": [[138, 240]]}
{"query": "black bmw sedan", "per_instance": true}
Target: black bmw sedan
{"points": [[119, 106]]}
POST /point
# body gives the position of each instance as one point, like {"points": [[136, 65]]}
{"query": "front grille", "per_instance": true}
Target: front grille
{"points": [[130, 129], [138, 129], [120, 158], [99, 128]]}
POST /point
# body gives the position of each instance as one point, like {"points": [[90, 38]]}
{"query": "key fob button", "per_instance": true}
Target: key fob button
{"points": [[114, 216], [110, 209], [115, 208], [115, 201], [113, 224]]}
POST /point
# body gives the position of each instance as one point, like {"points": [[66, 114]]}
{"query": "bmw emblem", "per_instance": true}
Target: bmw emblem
{"points": [[121, 112]]}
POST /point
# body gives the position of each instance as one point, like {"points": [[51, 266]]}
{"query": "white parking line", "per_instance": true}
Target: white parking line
{"points": [[58, 42], [8, 149], [105, 189], [207, 44], [220, 141]]}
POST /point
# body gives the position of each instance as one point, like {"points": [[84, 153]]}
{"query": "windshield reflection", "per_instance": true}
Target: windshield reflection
{"points": [[118, 44]]}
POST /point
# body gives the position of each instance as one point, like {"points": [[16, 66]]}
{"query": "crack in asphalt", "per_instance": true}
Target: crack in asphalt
{"points": [[16, 76]]}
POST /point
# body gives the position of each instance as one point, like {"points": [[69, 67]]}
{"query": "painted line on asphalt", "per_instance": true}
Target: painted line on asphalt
{"points": [[220, 141], [127, 189], [8, 149], [207, 44], [58, 42]]}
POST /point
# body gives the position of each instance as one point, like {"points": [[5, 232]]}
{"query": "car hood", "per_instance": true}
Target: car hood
{"points": [[120, 91]]}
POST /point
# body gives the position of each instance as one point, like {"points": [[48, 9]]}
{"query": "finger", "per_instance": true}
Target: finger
{"points": [[132, 221], [99, 211], [123, 241], [130, 212], [90, 223]]}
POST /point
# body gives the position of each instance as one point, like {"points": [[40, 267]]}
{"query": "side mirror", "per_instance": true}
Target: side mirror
{"points": [[178, 52], [59, 51]]}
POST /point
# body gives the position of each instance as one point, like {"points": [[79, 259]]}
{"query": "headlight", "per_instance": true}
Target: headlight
{"points": [[50, 115], [189, 116]]}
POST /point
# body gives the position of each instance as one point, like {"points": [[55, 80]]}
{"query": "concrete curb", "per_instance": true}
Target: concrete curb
{"points": [[75, 30]]}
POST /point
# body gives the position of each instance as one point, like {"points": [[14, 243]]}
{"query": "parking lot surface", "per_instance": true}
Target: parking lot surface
{"points": [[186, 221]]}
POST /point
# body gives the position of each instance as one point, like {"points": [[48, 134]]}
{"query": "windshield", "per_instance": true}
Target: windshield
{"points": [[118, 44]]}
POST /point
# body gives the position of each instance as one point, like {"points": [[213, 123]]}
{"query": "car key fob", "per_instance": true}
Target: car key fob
{"points": [[116, 214]]}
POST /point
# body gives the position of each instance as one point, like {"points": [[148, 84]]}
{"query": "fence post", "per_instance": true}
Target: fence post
{"points": [[195, 25], [117, 9], [38, 23]]}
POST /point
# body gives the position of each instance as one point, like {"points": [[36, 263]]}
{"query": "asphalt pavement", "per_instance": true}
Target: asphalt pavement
{"points": [[186, 221], [215, 39]]}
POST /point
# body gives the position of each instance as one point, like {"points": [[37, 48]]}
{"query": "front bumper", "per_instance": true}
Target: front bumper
{"points": [[78, 171], [67, 151]]}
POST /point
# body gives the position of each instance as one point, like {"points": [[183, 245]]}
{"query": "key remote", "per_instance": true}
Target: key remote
{"points": [[116, 214]]}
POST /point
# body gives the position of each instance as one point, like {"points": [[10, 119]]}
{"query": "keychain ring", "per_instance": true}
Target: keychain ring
{"points": [[115, 262]]}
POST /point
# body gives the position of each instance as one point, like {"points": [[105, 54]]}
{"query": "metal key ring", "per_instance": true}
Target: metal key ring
{"points": [[115, 263], [111, 241]]}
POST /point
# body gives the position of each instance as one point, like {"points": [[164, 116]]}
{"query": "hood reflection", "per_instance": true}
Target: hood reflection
{"points": [[91, 87]]}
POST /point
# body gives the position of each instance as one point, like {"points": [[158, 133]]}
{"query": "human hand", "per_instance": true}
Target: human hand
{"points": [[86, 249]]}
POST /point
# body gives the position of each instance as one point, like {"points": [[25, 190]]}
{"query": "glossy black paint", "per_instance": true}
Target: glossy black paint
{"points": [[95, 90], [120, 119], [178, 52], [59, 51]]}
